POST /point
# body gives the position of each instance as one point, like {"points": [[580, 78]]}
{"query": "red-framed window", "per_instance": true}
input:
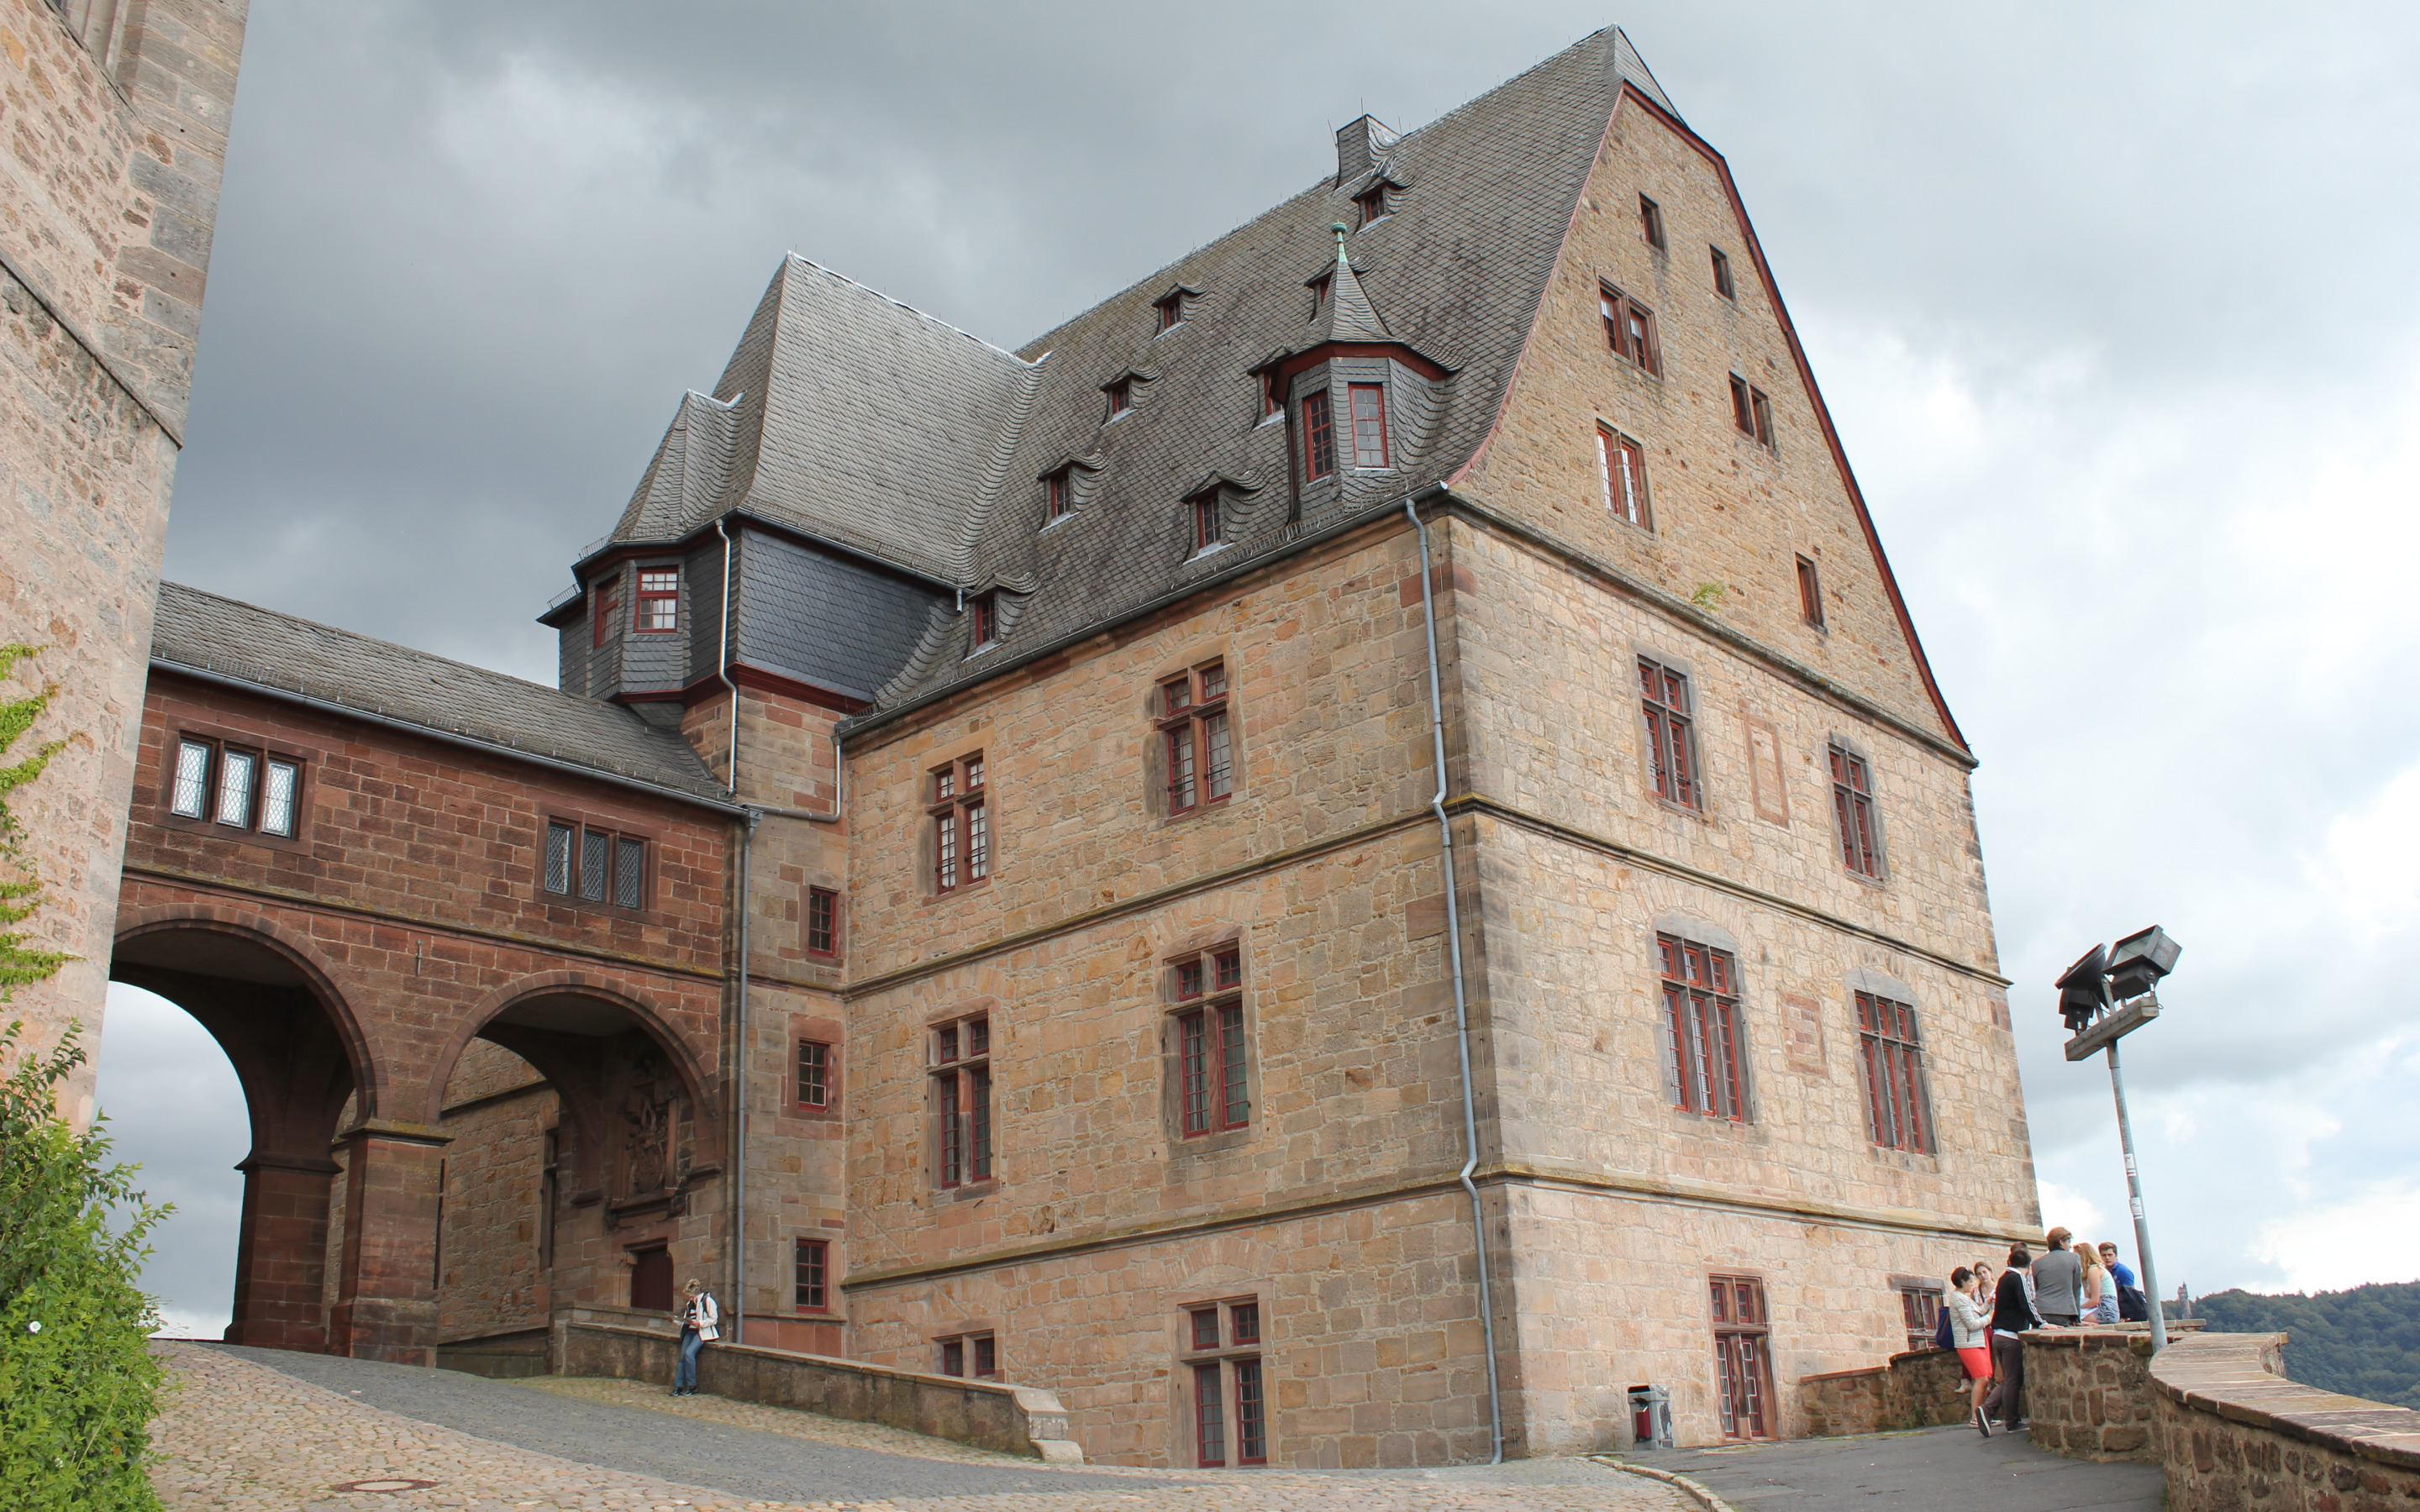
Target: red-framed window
{"points": [[1318, 286], [1853, 807], [1672, 737], [1919, 1309], [1170, 309], [659, 611], [985, 609], [823, 922], [1195, 735], [1743, 1356], [605, 604], [961, 823], [1810, 594], [1622, 468], [975, 1355], [1058, 495], [815, 1068], [1121, 396], [1229, 1399], [1751, 411], [1723, 285], [1369, 402], [1371, 202], [1701, 1028], [1208, 529], [810, 1267], [247, 789], [597, 866], [1651, 222], [1272, 394], [1898, 1112], [1318, 437], [961, 1077], [1213, 1059], [1629, 328]]}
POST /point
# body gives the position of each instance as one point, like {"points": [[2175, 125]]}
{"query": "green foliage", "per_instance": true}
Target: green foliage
{"points": [[1708, 596], [78, 1386], [22, 893], [2365, 1342]]}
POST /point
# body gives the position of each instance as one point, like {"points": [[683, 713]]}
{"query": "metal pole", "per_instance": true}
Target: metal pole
{"points": [[2134, 1194]]}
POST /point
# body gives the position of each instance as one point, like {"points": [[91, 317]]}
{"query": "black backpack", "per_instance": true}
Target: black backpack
{"points": [[2132, 1306], [1945, 1333]]}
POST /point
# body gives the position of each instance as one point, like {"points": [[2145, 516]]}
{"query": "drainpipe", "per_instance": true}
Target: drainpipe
{"points": [[1461, 1000], [737, 1307]]}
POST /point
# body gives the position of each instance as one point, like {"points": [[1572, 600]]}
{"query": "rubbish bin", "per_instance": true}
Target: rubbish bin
{"points": [[1650, 1418]]}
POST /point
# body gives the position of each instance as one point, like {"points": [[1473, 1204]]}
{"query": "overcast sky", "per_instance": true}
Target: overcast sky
{"points": [[2113, 305]]}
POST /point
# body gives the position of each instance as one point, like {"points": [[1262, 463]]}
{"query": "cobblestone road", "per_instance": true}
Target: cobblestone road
{"points": [[252, 1431]]}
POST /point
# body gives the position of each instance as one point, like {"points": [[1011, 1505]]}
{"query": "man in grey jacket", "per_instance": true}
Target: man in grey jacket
{"points": [[2058, 1282]]}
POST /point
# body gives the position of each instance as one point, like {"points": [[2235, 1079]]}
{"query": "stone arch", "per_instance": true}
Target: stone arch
{"points": [[299, 1051], [554, 985]]}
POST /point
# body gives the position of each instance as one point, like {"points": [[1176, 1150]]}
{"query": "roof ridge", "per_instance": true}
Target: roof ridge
{"points": [[919, 314]]}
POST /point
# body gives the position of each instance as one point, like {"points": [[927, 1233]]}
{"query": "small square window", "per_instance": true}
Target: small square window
{"points": [[1247, 1320], [1121, 396], [1629, 328], [1170, 311], [1205, 1329], [1650, 221], [1723, 285], [658, 600], [1371, 202]]}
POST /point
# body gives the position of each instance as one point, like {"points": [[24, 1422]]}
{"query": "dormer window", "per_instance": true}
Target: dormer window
{"points": [[608, 604], [1373, 202], [1368, 401], [1272, 395], [986, 619], [1318, 438], [1318, 287], [658, 600], [1206, 529], [1121, 396], [1170, 309], [1058, 495]]}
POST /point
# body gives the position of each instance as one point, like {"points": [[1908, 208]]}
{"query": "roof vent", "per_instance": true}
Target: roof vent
{"points": [[1360, 147]]}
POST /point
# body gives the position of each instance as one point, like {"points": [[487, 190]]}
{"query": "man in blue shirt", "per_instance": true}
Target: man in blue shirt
{"points": [[2109, 1258]]}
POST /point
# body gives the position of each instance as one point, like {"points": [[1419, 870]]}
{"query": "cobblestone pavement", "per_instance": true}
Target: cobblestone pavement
{"points": [[257, 1431], [1930, 1470]]}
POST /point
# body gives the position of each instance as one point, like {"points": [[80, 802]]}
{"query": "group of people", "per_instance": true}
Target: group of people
{"points": [[1983, 1317]]}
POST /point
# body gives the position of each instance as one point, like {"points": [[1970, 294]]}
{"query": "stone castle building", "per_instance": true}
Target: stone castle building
{"points": [[1341, 859], [117, 116]]}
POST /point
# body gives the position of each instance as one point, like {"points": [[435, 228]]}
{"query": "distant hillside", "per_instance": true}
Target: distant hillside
{"points": [[2365, 1342]]}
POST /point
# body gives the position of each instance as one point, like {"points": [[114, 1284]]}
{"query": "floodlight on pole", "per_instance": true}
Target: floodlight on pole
{"points": [[2090, 994]]}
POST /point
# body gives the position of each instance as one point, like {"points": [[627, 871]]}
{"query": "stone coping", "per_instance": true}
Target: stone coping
{"points": [[2229, 1375]]}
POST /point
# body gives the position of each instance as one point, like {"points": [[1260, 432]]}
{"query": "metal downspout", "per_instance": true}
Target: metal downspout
{"points": [[1461, 1000], [738, 1304]]}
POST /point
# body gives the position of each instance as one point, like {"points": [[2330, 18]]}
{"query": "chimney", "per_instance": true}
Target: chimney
{"points": [[1360, 147]]}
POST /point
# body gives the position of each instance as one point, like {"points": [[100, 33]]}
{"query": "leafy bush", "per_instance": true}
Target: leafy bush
{"points": [[2365, 1342], [78, 1386]]}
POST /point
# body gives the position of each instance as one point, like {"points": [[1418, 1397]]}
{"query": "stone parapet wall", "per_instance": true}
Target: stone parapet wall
{"points": [[1920, 1389], [2089, 1392], [621, 1343], [2236, 1434]]}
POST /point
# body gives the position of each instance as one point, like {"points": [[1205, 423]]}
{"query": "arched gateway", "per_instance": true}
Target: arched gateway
{"points": [[350, 889]]}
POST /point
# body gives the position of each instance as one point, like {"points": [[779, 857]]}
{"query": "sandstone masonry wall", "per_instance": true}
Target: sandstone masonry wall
{"points": [[116, 119], [2236, 1436]]}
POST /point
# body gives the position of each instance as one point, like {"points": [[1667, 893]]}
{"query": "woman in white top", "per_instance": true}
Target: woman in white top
{"points": [[2096, 1291], [1970, 1327], [700, 1321]]}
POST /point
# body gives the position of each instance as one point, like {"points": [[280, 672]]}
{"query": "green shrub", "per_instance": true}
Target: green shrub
{"points": [[78, 1386]]}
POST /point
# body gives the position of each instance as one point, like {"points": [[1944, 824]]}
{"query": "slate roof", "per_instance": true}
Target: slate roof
{"points": [[844, 414], [230, 639], [860, 421]]}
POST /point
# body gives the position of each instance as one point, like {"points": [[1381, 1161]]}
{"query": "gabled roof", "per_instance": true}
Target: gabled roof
{"points": [[1457, 269], [849, 416], [228, 640]]}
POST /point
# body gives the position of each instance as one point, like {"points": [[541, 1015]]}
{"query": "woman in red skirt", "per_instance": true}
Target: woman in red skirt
{"points": [[1970, 1325]]}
